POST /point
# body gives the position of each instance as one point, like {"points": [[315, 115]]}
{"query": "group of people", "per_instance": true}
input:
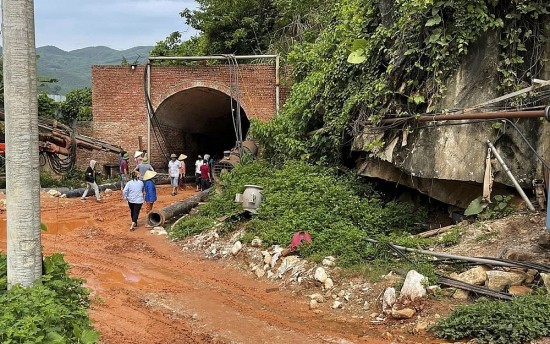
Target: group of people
{"points": [[137, 185]]}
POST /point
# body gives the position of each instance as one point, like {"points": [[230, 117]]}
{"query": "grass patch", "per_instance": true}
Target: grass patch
{"points": [[512, 322]]}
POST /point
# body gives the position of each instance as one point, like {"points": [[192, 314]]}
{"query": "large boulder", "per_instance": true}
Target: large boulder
{"points": [[413, 287], [499, 280]]}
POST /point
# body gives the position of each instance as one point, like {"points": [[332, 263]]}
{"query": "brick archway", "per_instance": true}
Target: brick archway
{"points": [[120, 112]]}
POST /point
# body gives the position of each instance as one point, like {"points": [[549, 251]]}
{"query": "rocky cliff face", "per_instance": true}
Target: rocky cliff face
{"points": [[446, 160]]}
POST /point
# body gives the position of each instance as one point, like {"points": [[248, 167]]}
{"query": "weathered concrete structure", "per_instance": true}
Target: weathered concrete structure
{"points": [[191, 103], [447, 161]]}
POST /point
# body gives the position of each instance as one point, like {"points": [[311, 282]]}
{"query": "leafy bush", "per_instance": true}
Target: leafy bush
{"points": [[52, 311], [516, 321], [72, 179], [303, 197]]}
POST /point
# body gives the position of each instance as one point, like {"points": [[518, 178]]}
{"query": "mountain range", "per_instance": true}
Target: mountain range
{"points": [[73, 69]]}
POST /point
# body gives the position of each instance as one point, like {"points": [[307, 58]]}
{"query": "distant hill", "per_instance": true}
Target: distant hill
{"points": [[73, 68]]}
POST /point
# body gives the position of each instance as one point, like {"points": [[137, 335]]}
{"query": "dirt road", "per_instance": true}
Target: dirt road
{"points": [[147, 290]]}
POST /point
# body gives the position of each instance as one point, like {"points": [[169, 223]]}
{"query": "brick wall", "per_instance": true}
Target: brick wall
{"points": [[120, 113]]}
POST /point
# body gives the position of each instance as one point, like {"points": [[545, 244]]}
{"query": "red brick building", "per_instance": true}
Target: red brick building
{"points": [[191, 104]]}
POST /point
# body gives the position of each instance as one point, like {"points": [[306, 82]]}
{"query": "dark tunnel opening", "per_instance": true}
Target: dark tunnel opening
{"points": [[198, 121]]}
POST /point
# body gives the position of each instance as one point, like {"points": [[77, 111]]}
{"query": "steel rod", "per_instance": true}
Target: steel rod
{"points": [[511, 176], [198, 58], [473, 115]]}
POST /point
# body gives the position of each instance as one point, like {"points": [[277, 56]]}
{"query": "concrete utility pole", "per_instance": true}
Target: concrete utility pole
{"points": [[22, 165]]}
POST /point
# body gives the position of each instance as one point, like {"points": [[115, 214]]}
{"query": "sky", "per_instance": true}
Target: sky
{"points": [[117, 24]]}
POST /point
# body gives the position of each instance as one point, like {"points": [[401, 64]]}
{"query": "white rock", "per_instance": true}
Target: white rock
{"points": [[299, 280], [389, 299], [54, 193], [277, 249], [275, 258], [412, 287], [270, 274], [546, 280], [313, 304], [256, 242], [329, 284], [267, 257], [320, 275], [317, 297], [341, 293], [366, 306], [329, 261], [108, 191], [237, 247], [63, 196], [287, 264], [259, 272], [336, 304]]}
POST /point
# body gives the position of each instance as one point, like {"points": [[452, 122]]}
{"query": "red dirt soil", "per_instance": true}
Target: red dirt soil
{"points": [[147, 290]]}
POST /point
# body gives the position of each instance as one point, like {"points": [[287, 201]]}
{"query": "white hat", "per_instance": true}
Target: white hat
{"points": [[137, 153], [182, 157], [173, 155], [149, 174]]}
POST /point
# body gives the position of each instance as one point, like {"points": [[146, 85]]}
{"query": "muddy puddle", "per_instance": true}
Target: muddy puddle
{"points": [[52, 227]]}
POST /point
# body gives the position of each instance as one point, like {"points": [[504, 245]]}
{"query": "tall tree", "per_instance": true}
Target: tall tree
{"points": [[234, 26], [22, 166]]}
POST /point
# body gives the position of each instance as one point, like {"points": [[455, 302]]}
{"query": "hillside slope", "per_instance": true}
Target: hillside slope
{"points": [[72, 69]]}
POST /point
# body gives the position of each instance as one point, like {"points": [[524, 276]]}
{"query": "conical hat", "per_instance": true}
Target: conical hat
{"points": [[182, 157], [148, 175], [137, 153]]}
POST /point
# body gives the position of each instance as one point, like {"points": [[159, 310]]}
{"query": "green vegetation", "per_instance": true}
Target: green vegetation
{"points": [[408, 52], [72, 179], [336, 210], [496, 322], [52, 311], [499, 208]]}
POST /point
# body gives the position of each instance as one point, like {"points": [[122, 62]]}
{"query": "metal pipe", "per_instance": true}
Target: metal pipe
{"points": [[149, 156], [452, 256], [197, 58], [474, 115], [509, 173], [548, 208], [277, 86]]}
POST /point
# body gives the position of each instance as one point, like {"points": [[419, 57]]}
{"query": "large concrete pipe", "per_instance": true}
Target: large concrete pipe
{"points": [[158, 217], [232, 158]]}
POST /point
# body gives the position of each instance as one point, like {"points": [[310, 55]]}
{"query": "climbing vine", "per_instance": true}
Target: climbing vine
{"points": [[406, 51]]}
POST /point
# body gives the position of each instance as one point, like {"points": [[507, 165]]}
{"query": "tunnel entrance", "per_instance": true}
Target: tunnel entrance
{"points": [[198, 121]]}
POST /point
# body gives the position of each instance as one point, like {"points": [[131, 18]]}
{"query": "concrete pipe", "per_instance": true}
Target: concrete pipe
{"points": [[159, 217]]}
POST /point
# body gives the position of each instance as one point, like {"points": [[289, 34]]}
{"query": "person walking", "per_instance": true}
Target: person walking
{"points": [[143, 167], [181, 159], [198, 164], [150, 190], [173, 173], [90, 177], [133, 193], [123, 169], [205, 175]]}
